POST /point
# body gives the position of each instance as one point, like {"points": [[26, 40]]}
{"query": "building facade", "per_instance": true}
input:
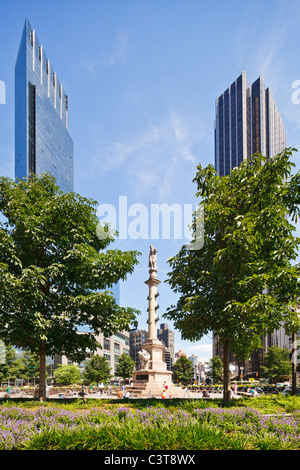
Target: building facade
{"points": [[166, 336], [247, 121], [112, 348], [42, 141]]}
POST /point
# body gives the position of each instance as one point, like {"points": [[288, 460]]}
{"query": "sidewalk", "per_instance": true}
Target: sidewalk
{"points": [[105, 396]]}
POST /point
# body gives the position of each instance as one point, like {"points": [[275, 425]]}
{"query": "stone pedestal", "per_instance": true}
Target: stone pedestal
{"points": [[152, 381]]}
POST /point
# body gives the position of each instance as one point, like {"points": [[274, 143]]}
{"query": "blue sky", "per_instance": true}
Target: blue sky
{"points": [[142, 78]]}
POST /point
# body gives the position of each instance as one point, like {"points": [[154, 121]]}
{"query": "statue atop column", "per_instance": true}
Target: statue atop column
{"points": [[152, 257]]}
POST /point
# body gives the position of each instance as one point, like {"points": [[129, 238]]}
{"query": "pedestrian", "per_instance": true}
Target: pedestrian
{"points": [[101, 387], [82, 395], [8, 391]]}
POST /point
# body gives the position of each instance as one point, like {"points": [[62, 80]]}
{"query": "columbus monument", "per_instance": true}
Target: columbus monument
{"points": [[153, 377]]}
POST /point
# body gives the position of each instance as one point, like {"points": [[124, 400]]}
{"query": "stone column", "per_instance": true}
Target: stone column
{"points": [[152, 282], [153, 377]]}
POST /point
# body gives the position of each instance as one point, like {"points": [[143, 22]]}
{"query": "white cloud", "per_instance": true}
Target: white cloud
{"points": [[202, 349], [157, 157], [119, 54], [259, 48], [199, 348], [90, 67]]}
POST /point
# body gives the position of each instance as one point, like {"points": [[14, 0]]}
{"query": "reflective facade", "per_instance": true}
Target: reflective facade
{"points": [[247, 122], [42, 141]]}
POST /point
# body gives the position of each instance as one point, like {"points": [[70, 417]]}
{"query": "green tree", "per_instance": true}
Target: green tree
{"points": [[97, 370], [183, 370], [12, 366], [56, 272], [67, 374], [276, 364], [215, 369], [30, 365], [241, 284], [125, 367]]}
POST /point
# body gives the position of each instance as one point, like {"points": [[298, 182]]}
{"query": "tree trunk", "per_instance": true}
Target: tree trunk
{"points": [[226, 378], [42, 385], [294, 364]]}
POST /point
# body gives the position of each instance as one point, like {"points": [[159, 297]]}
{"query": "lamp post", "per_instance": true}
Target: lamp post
{"points": [[294, 356], [241, 369], [294, 364]]}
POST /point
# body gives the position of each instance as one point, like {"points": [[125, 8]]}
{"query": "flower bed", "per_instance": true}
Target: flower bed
{"points": [[153, 428]]}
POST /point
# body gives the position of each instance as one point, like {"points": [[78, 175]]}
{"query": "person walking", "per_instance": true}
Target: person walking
{"points": [[82, 395]]}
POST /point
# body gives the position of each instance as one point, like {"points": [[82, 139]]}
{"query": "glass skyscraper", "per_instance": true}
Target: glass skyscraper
{"points": [[42, 140], [247, 122]]}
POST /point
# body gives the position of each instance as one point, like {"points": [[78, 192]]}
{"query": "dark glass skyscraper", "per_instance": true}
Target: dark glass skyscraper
{"points": [[42, 140], [247, 122]]}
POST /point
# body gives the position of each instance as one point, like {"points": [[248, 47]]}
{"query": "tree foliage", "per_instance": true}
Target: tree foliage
{"points": [[183, 370], [97, 370], [276, 364], [30, 362], [241, 284], [215, 369], [125, 367], [13, 367], [56, 272], [67, 374]]}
